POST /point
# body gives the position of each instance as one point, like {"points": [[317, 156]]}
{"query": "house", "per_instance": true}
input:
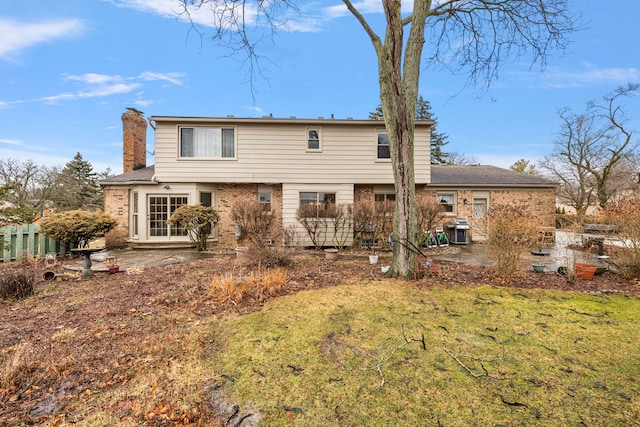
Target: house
{"points": [[284, 163]]}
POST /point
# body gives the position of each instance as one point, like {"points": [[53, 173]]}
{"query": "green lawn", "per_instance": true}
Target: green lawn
{"points": [[354, 355]]}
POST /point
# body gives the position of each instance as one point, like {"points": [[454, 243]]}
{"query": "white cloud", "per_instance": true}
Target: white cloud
{"points": [[11, 141], [93, 85], [174, 78], [16, 36], [590, 75], [172, 9]]}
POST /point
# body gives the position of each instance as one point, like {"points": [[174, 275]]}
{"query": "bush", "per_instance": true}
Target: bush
{"points": [[253, 221], [116, 238], [76, 228], [430, 212], [314, 219], [269, 256], [626, 215], [197, 220], [510, 230], [226, 289], [19, 284]]}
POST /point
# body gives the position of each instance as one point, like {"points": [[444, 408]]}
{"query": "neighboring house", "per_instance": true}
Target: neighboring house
{"points": [[283, 163]]}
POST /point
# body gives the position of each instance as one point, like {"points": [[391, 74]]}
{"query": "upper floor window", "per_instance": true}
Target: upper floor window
{"points": [[383, 145], [206, 142], [447, 201], [313, 139]]}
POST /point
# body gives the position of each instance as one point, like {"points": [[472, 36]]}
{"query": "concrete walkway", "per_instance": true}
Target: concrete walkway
{"points": [[135, 259]]}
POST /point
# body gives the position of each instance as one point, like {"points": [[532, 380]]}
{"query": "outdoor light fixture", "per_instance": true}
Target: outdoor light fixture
{"points": [[465, 201], [166, 187]]}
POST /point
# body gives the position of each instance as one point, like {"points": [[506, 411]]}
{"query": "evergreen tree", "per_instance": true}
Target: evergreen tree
{"points": [[77, 187], [438, 140]]}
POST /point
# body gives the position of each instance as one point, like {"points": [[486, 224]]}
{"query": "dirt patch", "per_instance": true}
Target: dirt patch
{"points": [[77, 338]]}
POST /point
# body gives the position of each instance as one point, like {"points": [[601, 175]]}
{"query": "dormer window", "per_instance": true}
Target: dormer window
{"points": [[207, 142]]}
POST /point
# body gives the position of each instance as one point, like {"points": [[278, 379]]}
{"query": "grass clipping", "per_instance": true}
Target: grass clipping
{"points": [[388, 354]]}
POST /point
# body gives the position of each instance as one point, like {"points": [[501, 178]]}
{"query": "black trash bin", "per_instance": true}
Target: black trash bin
{"points": [[458, 231]]}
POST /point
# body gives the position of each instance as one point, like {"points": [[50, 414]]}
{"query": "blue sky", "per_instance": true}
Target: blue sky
{"points": [[69, 69]]}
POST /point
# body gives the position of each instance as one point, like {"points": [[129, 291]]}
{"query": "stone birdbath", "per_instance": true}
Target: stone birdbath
{"points": [[86, 263]]}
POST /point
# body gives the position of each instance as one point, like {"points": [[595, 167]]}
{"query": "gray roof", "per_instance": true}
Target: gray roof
{"points": [[138, 176], [441, 175], [484, 175]]}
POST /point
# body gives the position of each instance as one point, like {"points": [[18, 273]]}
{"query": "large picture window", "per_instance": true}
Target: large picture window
{"points": [[202, 142]]}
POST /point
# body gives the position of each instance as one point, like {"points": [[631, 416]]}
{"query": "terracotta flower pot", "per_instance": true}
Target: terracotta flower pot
{"points": [[585, 271]]}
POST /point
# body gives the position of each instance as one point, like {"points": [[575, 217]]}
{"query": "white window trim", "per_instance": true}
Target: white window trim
{"points": [[196, 159], [306, 140], [454, 212], [381, 159]]}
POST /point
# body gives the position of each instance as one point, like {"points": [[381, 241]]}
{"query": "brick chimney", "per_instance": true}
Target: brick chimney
{"points": [[134, 130]]}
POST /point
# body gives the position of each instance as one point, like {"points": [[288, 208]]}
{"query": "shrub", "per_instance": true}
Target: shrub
{"points": [[430, 212], [626, 215], [116, 238], [76, 228], [373, 221], [313, 218], [509, 230], [19, 284], [253, 221], [269, 256], [226, 289], [342, 218], [197, 220]]}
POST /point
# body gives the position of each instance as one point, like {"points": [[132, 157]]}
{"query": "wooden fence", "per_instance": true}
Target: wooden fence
{"points": [[15, 240]]}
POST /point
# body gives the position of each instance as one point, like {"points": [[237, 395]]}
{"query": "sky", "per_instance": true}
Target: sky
{"points": [[70, 68]]}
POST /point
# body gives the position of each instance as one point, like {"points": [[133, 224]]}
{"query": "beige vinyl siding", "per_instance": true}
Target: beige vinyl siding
{"points": [[291, 201], [277, 153]]}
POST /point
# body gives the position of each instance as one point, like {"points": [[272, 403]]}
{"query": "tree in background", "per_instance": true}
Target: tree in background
{"points": [[526, 167], [77, 187], [438, 140], [27, 189], [475, 36], [593, 151], [460, 159]]}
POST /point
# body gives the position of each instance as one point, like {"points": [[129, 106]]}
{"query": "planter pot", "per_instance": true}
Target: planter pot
{"points": [[331, 254], [373, 259], [113, 269], [48, 275], [585, 271], [538, 268]]}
